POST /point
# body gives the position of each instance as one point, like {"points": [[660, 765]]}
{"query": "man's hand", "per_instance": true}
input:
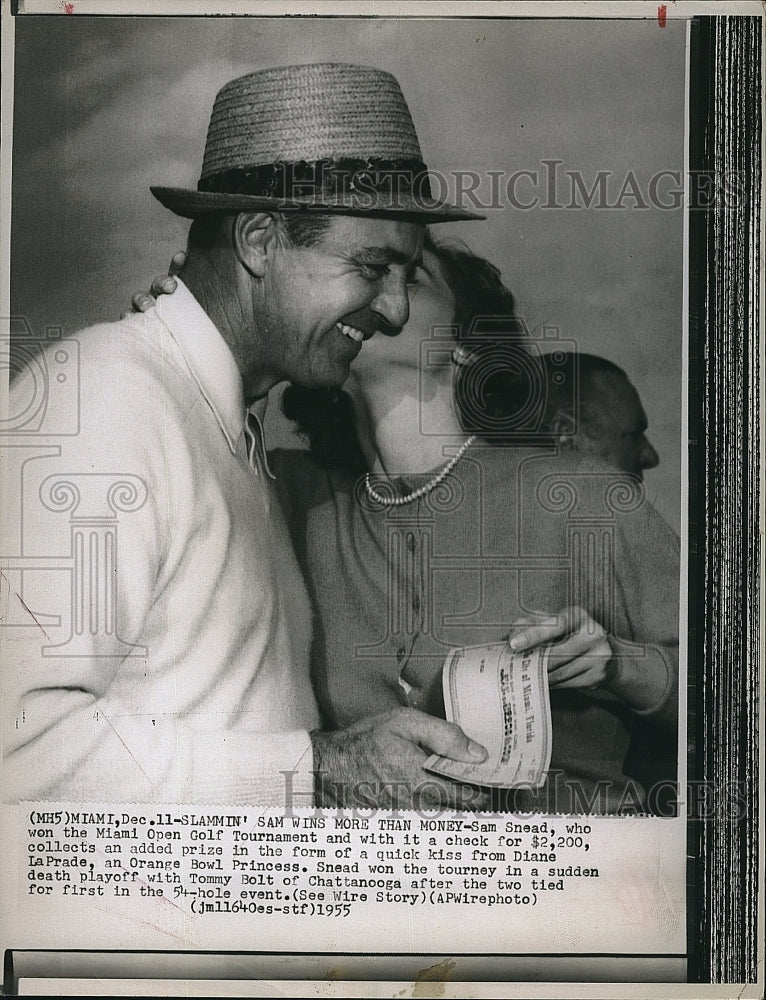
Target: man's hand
{"points": [[378, 763], [164, 284], [580, 657]]}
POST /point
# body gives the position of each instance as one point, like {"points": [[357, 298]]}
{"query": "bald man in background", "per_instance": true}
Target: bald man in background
{"points": [[610, 422], [605, 417]]}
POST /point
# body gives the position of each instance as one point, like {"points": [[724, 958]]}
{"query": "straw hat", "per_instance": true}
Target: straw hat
{"points": [[332, 137]]}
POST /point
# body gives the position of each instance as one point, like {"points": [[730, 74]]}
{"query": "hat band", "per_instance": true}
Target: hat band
{"points": [[394, 183]]}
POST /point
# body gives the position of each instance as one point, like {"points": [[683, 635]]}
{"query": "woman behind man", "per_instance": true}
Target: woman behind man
{"points": [[513, 532], [427, 514]]}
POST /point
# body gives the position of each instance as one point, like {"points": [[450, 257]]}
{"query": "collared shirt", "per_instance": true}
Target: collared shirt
{"points": [[509, 531], [180, 669]]}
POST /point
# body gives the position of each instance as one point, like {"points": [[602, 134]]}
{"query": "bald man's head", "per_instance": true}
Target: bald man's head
{"points": [[610, 421]]}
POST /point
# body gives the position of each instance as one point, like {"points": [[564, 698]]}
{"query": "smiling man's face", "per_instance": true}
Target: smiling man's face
{"points": [[325, 300]]}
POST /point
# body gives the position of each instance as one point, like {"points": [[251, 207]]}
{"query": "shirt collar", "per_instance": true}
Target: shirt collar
{"points": [[209, 359]]}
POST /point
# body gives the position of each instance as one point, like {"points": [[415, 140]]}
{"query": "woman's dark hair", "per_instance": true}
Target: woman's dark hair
{"points": [[491, 389], [494, 387]]}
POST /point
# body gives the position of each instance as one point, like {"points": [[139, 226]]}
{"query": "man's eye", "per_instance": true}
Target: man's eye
{"points": [[413, 277], [374, 272]]}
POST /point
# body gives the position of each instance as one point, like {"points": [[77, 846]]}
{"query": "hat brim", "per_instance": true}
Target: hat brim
{"points": [[191, 204]]}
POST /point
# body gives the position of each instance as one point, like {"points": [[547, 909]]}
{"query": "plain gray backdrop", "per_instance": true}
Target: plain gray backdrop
{"points": [[104, 107]]}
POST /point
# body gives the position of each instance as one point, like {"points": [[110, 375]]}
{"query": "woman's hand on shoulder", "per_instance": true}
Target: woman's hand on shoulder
{"points": [[164, 284]]}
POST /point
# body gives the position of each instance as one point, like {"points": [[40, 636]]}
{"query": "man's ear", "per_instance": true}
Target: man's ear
{"points": [[255, 237], [562, 426]]}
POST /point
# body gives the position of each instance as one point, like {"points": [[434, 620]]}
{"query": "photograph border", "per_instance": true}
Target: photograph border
{"points": [[725, 462], [725, 917]]}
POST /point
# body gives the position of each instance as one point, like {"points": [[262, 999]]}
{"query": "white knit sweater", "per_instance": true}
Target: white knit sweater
{"points": [[212, 702]]}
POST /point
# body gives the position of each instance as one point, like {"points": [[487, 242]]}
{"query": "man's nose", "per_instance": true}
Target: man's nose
{"points": [[649, 457], [392, 303]]}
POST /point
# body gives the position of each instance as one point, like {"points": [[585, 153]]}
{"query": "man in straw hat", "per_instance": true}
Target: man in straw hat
{"points": [[185, 676]]}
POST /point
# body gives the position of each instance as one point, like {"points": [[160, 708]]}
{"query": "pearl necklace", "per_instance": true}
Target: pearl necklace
{"points": [[373, 494]]}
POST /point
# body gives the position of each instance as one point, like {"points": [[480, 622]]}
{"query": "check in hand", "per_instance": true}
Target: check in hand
{"points": [[580, 655], [378, 763], [163, 284]]}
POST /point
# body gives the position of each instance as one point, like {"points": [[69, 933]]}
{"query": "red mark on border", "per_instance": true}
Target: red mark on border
{"points": [[662, 15], [69, 8]]}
